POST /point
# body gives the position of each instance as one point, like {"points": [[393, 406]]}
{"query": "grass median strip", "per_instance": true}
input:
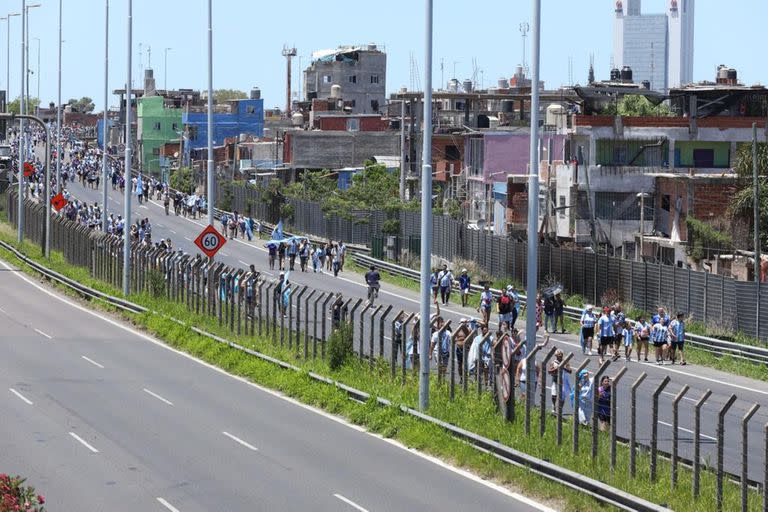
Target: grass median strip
{"points": [[467, 411]]}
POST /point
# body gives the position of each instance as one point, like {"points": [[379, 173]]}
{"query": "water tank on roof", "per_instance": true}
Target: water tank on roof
{"points": [[615, 75], [519, 70], [626, 74], [255, 93], [371, 47], [336, 91], [646, 84], [732, 75], [554, 115], [503, 83], [297, 119], [722, 72], [453, 85], [467, 85]]}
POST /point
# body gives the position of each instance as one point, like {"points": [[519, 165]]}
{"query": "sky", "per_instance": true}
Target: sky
{"points": [[248, 37]]}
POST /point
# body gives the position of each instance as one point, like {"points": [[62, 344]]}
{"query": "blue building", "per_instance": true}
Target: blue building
{"points": [[245, 116], [100, 130]]}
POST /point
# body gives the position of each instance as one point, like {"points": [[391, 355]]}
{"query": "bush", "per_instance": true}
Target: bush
{"points": [[156, 282], [15, 496], [182, 179], [391, 227], [340, 347]]}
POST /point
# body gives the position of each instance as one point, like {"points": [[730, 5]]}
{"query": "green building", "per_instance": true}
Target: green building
{"points": [[157, 125]]}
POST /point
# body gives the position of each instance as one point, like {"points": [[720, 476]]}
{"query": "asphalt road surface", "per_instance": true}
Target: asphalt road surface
{"points": [[241, 253], [101, 417]]}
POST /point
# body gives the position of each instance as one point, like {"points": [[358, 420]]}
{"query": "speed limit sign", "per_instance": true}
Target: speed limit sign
{"points": [[210, 241]]}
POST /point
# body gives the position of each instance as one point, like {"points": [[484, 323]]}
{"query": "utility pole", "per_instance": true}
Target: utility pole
{"points": [[756, 203], [524, 28], [288, 53], [38, 68], [426, 218], [165, 70], [22, 136], [59, 188], [8, 54], [533, 202], [210, 114], [127, 174], [104, 163], [402, 150]]}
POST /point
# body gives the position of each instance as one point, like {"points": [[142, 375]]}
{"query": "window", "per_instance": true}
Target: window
{"points": [[374, 79], [353, 125], [704, 157], [250, 109], [619, 154], [175, 127], [156, 127], [327, 79], [452, 152], [561, 209], [156, 151], [666, 202], [375, 105], [352, 79]]}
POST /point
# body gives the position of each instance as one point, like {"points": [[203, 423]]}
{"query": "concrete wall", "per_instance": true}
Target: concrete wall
{"points": [[334, 150]]}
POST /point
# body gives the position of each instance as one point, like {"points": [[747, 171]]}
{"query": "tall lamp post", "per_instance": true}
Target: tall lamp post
{"points": [[533, 198], [37, 71], [22, 136], [641, 196], [426, 218], [26, 52], [165, 68], [8, 54], [104, 162], [209, 180], [127, 175], [59, 186]]}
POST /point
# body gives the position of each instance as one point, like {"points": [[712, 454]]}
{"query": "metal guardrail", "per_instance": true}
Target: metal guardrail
{"points": [[753, 354], [596, 489]]}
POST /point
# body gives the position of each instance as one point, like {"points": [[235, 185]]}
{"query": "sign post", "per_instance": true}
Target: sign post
{"points": [[58, 202], [210, 241]]}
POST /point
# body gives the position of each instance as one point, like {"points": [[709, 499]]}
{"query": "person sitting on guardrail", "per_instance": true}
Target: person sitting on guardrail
{"points": [[677, 338], [642, 335]]}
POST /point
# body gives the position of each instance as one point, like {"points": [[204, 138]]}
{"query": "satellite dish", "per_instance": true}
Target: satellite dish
{"points": [[176, 154]]}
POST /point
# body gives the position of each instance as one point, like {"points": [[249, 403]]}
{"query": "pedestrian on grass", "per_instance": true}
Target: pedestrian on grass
{"points": [[464, 286]]}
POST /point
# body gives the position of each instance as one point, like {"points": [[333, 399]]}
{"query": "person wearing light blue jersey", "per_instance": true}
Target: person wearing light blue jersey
{"points": [[587, 323], [605, 327], [676, 333]]}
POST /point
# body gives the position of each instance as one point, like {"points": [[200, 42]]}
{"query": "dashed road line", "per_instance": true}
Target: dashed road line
{"points": [[157, 396], [22, 397], [83, 442], [167, 505], [238, 440], [38, 331], [350, 503], [94, 363]]}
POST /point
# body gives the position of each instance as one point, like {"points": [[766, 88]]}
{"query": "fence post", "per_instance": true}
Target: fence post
{"points": [[404, 356], [298, 318], [530, 358], [655, 424], [281, 306], [745, 456], [614, 390], [697, 441], [479, 364], [324, 323], [372, 333], [317, 301], [362, 330], [576, 389], [721, 448], [306, 324], [675, 415], [543, 396], [465, 357], [291, 293], [452, 385], [394, 345], [765, 471], [382, 319], [595, 386], [560, 397], [633, 424], [261, 302]]}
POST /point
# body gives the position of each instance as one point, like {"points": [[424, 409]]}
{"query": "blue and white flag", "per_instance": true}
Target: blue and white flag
{"points": [[139, 186], [277, 233]]}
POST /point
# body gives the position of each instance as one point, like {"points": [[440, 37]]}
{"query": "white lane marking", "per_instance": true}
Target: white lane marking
{"points": [[160, 225], [285, 398], [187, 238], [675, 394], [686, 430], [3, 311], [241, 261], [350, 503], [94, 363], [144, 206], [84, 442], [22, 397], [157, 396], [172, 231], [38, 331], [167, 505], [238, 440]]}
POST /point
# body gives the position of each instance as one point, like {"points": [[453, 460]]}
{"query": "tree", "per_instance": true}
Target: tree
{"points": [[181, 179], [222, 95], [13, 107], [741, 204], [84, 105], [635, 105]]}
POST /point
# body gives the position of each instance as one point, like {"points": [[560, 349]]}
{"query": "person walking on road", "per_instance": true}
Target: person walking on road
{"points": [[643, 335], [337, 257], [606, 328], [446, 284], [486, 301], [559, 313], [659, 338], [464, 285], [677, 338]]}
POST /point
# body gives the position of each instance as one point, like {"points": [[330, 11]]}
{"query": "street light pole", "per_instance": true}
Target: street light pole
{"points": [[533, 200], [59, 186], [165, 70], [8, 54], [104, 163], [756, 202], [127, 173], [38, 69], [22, 137], [210, 193], [426, 217]]}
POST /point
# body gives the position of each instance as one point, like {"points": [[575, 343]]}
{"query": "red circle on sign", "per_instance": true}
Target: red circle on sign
{"points": [[210, 241]]}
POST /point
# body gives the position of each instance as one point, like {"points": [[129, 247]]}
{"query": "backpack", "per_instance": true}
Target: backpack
{"points": [[505, 304]]}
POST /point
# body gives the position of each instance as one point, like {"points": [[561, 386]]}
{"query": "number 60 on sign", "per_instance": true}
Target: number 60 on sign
{"points": [[210, 241]]}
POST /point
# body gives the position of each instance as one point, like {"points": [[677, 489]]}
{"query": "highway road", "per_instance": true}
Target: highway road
{"points": [[241, 253], [102, 417]]}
